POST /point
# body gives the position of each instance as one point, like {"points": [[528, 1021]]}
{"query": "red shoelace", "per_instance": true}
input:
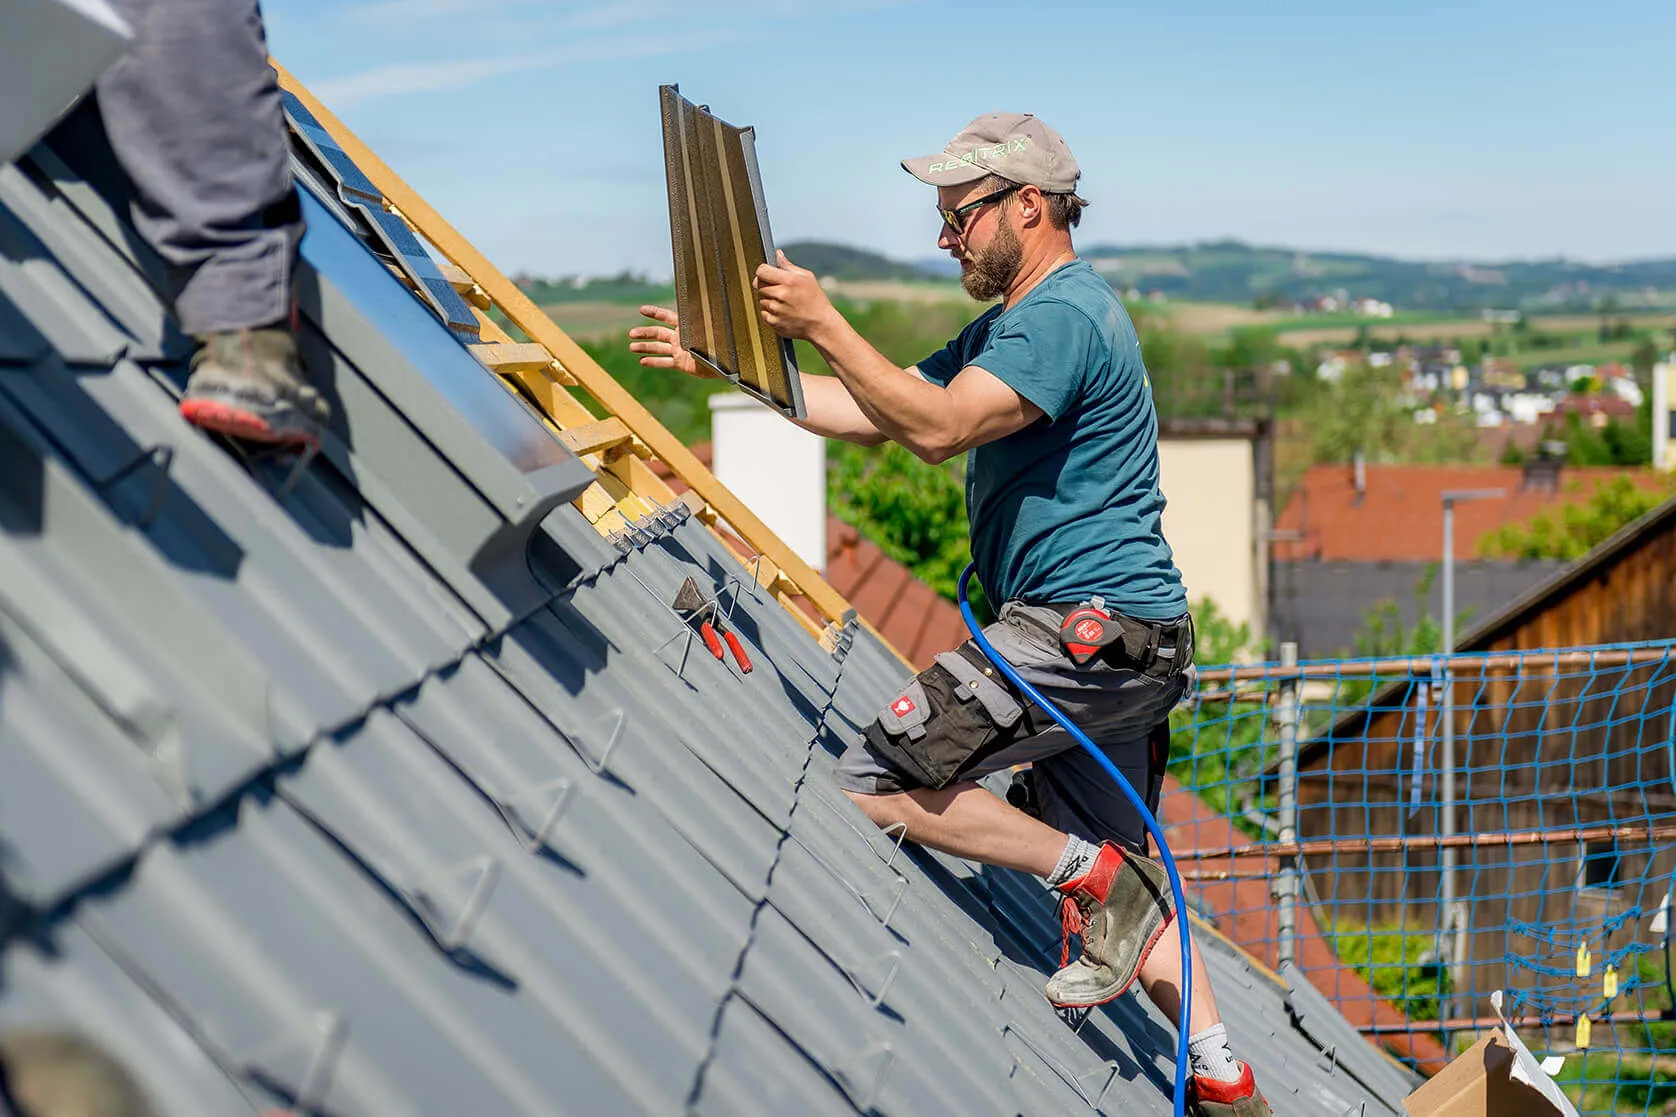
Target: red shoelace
{"points": [[1071, 923]]}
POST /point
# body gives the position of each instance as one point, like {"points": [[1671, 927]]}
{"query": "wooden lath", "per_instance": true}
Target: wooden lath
{"points": [[543, 368]]}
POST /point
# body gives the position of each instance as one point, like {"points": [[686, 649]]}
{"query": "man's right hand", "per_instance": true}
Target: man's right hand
{"points": [[660, 345]]}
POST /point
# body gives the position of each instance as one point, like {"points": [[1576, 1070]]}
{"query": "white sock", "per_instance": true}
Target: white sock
{"points": [[1211, 1056], [1077, 859]]}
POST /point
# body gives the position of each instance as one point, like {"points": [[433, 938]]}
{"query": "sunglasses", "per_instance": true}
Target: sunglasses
{"points": [[958, 218]]}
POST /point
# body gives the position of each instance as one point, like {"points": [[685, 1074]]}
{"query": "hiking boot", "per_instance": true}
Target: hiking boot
{"points": [[1119, 907], [1209, 1097], [248, 384]]}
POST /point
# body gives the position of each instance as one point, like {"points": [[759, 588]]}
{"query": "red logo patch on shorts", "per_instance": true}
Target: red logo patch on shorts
{"points": [[1089, 630], [902, 707]]}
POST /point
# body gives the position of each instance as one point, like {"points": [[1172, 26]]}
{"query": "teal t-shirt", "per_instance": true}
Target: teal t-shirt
{"points": [[1068, 507]]}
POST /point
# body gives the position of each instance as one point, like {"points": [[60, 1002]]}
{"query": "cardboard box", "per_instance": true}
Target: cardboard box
{"points": [[1495, 1077], [1477, 1084]]}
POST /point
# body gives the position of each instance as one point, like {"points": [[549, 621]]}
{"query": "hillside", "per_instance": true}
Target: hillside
{"points": [[840, 261], [1234, 272]]}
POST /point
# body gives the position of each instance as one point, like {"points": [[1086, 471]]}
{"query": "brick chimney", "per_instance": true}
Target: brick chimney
{"points": [[1542, 468]]}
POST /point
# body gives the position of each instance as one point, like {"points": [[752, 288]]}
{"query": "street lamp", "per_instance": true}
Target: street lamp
{"points": [[1453, 915]]}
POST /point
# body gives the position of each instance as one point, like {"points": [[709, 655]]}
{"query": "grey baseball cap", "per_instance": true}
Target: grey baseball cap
{"points": [[1014, 145]]}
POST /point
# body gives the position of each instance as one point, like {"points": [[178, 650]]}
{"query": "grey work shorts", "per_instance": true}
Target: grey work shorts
{"points": [[959, 721]]}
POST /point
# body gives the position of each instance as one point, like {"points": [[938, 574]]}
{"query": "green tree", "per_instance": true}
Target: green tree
{"points": [[1367, 410], [914, 512], [1646, 355], [1617, 443], [1383, 634], [1573, 530], [680, 403], [1216, 638], [1216, 747], [1253, 347]]}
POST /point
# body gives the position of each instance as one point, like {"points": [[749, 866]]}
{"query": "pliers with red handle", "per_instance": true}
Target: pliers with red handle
{"points": [[692, 602]]}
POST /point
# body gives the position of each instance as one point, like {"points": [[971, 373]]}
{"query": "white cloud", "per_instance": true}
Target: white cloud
{"points": [[398, 78], [400, 13]]}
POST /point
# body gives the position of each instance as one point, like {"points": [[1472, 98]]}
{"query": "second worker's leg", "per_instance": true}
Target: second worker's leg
{"points": [[194, 116]]}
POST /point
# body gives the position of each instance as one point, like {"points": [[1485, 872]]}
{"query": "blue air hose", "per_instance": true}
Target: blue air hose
{"points": [[1184, 934]]}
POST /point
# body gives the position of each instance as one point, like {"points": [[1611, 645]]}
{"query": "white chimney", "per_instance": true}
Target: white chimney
{"points": [[777, 468]]}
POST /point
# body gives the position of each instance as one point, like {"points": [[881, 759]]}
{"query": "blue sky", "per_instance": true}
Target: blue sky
{"points": [[1475, 130]]}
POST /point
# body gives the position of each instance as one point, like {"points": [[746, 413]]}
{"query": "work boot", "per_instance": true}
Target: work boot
{"points": [[1119, 907], [248, 384], [1210, 1097]]}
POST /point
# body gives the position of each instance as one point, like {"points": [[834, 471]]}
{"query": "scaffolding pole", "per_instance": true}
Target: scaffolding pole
{"points": [[1286, 883]]}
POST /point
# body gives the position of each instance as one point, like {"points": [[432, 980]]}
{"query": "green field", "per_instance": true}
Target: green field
{"points": [[1587, 353]]}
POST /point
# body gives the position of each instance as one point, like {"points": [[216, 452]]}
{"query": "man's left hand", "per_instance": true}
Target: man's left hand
{"points": [[791, 299]]}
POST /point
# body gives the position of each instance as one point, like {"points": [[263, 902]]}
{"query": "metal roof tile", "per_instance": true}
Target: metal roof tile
{"points": [[76, 792], [754, 1068], [543, 659], [555, 930], [1316, 1016], [63, 982], [20, 342], [879, 1058], [110, 279], [458, 837], [37, 285], [257, 924]]}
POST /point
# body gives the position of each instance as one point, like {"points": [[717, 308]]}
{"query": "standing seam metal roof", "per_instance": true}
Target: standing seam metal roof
{"points": [[304, 802]]}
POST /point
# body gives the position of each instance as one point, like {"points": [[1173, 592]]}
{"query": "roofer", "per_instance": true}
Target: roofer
{"points": [[193, 114], [1047, 393]]}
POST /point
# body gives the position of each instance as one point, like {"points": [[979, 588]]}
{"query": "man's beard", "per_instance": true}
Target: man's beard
{"points": [[993, 270]]}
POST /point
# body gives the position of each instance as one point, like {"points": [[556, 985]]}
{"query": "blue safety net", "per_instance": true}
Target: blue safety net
{"points": [[1549, 878]]}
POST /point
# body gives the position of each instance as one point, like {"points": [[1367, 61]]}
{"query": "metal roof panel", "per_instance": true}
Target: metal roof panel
{"points": [[63, 982], [450, 835]]}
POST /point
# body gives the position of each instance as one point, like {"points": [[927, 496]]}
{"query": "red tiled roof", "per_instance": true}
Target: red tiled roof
{"points": [[909, 614], [1613, 407], [1399, 517], [916, 620]]}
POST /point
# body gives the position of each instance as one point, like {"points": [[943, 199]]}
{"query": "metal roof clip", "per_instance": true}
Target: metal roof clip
{"points": [[896, 892], [163, 458], [846, 635], [317, 1045], [451, 934], [295, 474], [1106, 1074], [864, 1075], [900, 829], [892, 961], [612, 724], [546, 802]]}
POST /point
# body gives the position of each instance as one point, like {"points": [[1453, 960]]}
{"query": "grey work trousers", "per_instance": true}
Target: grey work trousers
{"points": [[193, 113]]}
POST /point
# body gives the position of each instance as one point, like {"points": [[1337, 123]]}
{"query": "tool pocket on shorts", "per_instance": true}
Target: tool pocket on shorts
{"points": [[975, 685], [950, 715], [906, 716]]}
